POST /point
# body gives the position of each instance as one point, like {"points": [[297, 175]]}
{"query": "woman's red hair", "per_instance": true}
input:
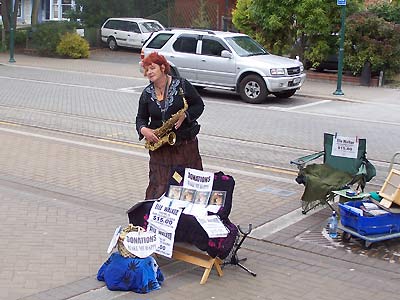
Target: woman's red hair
{"points": [[158, 59]]}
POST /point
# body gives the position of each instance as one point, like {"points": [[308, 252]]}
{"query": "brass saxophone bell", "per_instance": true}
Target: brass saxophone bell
{"points": [[172, 138]]}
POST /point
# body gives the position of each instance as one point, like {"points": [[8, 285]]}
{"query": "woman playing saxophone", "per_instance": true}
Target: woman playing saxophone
{"points": [[162, 110]]}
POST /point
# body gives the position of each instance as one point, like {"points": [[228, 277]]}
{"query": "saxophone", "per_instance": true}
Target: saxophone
{"points": [[164, 133]]}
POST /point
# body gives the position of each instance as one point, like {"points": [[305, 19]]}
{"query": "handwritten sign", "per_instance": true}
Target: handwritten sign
{"points": [[165, 241], [198, 180], [141, 243], [164, 217], [213, 226], [343, 146]]}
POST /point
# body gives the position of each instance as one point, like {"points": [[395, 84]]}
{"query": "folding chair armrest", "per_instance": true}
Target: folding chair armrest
{"points": [[301, 161], [362, 170]]}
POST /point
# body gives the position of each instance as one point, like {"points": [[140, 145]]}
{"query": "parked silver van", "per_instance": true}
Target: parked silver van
{"points": [[128, 32]]}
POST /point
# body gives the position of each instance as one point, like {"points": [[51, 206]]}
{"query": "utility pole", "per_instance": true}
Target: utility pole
{"points": [[339, 91], [12, 32], [225, 17]]}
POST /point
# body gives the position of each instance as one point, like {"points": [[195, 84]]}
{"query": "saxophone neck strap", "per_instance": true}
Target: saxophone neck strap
{"points": [[163, 102]]}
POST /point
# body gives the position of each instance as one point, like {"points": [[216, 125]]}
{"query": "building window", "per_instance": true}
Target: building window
{"points": [[19, 10], [66, 6], [61, 8]]}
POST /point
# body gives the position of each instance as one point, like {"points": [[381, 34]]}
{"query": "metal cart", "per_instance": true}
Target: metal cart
{"points": [[348, 233]]}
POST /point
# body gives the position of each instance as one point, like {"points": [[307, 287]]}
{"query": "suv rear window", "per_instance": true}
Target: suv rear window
{"points": [[185, 44], [150, 27], [159, 41]]}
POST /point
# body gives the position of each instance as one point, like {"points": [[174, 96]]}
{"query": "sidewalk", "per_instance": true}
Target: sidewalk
{"points": [[63, 207], [325, 89], [311, 88]]}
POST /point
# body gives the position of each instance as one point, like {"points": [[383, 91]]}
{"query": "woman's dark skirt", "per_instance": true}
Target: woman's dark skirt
{"points": [[167, 158]]}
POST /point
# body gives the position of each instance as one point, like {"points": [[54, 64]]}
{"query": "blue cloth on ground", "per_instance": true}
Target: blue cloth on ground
{"points": [[141, 275]]}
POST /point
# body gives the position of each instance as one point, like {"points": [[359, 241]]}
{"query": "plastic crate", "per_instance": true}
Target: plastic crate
{"points": [[387, 223]]}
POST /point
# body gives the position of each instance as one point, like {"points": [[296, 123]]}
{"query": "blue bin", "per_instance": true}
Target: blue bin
{"points": [[387, 223]]}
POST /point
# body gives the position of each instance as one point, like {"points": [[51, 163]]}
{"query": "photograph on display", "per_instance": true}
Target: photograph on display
{"points": [[187, 195], [217, 198], [174, 192], [201, 197]]}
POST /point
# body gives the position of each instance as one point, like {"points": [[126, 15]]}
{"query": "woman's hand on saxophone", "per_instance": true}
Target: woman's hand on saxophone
{"points": [[180, 121], [149, 135]]}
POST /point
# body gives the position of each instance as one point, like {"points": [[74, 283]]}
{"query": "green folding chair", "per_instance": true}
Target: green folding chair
{"points": [[335, 173]]}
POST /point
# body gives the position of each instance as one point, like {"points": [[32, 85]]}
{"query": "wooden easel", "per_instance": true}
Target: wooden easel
{"points": [[199, 259]]}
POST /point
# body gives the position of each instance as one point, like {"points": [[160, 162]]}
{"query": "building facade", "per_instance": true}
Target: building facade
{"points": [[48, 10]]}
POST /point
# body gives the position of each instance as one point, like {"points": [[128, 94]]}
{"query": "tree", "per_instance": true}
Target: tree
{"points": [[202, 20], [388, 11], [5, 13], [370, 39], [35, 12], [93, 13], [282, 25]]}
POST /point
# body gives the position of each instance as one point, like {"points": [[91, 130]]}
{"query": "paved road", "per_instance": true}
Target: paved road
{"points": [[93, 104], [62, 193]]}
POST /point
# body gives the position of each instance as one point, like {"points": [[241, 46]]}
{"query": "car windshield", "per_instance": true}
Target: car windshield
{"points": [[246, 46], [150, 27]]}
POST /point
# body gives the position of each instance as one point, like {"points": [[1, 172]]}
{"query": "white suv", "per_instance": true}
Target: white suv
{"points": [[227, 60], [128, 32]]}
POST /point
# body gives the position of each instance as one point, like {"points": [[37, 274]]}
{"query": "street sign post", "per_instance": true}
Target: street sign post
{"points": [[339, 91], [12, 32]]}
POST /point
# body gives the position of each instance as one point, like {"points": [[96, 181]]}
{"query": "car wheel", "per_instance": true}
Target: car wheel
{"points": [[285, 94], [112, 44], [252, 89]]}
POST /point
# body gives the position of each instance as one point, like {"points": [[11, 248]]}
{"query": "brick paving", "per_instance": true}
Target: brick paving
{"points": [[60, 202], [62, 212]]}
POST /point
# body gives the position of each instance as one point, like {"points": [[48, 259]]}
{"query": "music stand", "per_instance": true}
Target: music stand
{"points": [[234, 259]]}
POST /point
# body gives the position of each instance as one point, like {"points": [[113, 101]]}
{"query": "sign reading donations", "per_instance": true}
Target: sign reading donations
{"points": [[141, 243], [343, 146], [198, 180]]}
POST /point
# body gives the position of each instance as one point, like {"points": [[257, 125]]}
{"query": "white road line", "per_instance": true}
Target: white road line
{"points": [[131, 88], [68, 85], [77, 72], [309, 104], [142, 154], [280, 223]]}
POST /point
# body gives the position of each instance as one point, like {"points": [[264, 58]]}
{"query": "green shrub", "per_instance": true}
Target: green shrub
{"points": [[20, 37], [45, 37], [374, 40], [73, 45], [92, 35]]}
